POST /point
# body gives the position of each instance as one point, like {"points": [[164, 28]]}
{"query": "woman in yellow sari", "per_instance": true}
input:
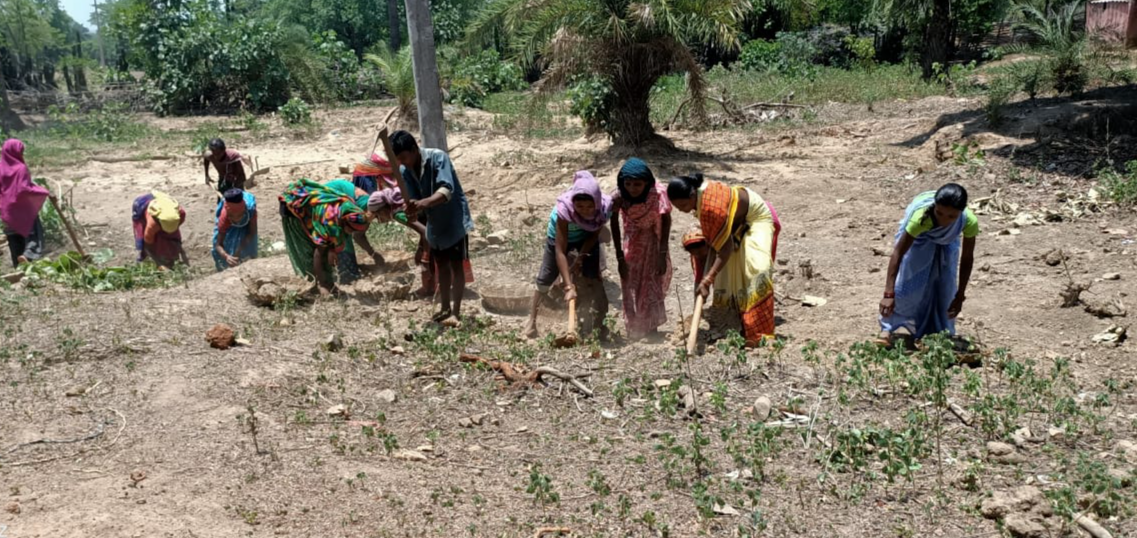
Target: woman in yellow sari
{"points": [[741, 230]]}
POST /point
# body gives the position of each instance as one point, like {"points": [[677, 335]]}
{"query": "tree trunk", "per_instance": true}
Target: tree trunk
{"points": [[936, 37], [9, 121], [428, 89], [393, 24], [630, 117]]}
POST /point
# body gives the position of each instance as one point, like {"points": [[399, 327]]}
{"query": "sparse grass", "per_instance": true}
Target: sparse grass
{"points": [[70, 270], [858, 86], [521, 114]]}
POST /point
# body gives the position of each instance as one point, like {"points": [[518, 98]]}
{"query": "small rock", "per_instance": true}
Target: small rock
{"points": [[608, 415], [1025, 525], [529, 220], [465, 423], [1053, 257], [1003, 453], [810, 300], [221, 336], [474, 448], [478, 419], [333, 343], [1021, 436], [137, 476], [662, 383], [278, 246], [12, 508], [397, 350], [387, 396], [1111, 276], [479, 244], [1055, 433], [688, 397], [1025, 219], [725, 510], [338, 410], [1122, 477], [1114, 336], [877, 251], [762, 408], [1021, 499], [242, 342], [499, 237], [409, 455], [1128, 450], [75, 391]]}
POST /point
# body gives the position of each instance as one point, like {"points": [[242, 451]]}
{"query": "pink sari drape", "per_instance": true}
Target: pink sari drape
{"points": [[645, 289]]}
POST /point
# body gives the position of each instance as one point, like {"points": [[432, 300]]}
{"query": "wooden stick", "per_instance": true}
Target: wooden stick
{"points": [[394, 162], [696, 318], [773, 105], [515, 375], [551, 530], [571, 379], [67, 224], [1091, 526], [572, 316]]}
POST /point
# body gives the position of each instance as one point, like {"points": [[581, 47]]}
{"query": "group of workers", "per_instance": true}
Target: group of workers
{"points": [[732, 249]]}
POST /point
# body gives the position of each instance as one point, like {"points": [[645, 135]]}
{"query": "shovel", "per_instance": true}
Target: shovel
{"points": [[70, 231]]}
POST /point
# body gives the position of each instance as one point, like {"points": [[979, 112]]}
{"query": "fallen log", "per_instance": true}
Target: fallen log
{"points": [[517, 376]]}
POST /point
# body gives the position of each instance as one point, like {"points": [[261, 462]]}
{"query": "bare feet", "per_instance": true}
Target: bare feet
{"points": [[441, 315], [423, 293], [531, 330], [451, 322], [885, 339], [21, 260]]}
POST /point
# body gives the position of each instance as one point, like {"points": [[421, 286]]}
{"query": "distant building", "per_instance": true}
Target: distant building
{"points": [[1113, 21]]}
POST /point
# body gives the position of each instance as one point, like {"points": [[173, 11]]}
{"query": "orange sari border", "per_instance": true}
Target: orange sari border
{"points": [[718, 205]]}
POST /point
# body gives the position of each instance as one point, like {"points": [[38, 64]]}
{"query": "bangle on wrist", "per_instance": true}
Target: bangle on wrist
{"points": [[889, 295]]}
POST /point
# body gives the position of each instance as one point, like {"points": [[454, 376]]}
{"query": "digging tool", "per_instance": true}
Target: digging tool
{"points": [[382, 136], [696, 318], [570, 338], [67, 224]]}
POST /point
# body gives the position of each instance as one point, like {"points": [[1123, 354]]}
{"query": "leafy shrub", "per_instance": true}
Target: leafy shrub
{"points": [[296, 112], [998, 95], [474, 77], [1120, 187], [798, 54], [1030, 76], [592, 100], [194, 58], [761, 55], [340, 66], [861, 50]]}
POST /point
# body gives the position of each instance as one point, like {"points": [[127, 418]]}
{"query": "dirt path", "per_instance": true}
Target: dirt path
{"points": [[164, 406]]}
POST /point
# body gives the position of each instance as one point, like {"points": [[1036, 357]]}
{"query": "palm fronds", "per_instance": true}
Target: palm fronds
{"points": [[398, 76]]}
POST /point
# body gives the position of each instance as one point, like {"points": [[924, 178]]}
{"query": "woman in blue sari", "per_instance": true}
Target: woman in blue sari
{"points": [[235, 233], [921, 294]]}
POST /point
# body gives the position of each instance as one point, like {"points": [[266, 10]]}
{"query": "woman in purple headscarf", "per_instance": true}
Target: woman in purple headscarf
{"points": [[20, 202], [575, 225]]}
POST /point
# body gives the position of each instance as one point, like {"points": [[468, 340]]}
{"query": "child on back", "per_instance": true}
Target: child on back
{"points": [[575, 225]]}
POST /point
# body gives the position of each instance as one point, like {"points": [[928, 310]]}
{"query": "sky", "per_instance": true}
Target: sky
{"points": [[80, 10]]}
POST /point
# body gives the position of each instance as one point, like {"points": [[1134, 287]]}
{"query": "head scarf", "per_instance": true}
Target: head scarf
{"points": [[164, 209], [384, 198], [375, 166], [20, 198], [584, 183], [635, 168], [693, 237]]}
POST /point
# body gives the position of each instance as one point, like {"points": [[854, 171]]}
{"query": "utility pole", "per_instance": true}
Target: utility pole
{"points": [[428, 90], [99, 24]]}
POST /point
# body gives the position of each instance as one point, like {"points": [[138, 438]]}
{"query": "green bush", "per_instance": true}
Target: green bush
{"points": [[761, 55], [1120, 187], [1001, 91], [295, 112], [591, 99], [1030, 76], [474, 77], [861, 50]]}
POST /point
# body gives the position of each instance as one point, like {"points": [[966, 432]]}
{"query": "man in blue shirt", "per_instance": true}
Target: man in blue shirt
{"points": [[435, 191]]}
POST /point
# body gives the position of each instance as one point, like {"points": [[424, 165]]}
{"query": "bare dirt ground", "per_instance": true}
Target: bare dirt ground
{"points": [[156, 429]]}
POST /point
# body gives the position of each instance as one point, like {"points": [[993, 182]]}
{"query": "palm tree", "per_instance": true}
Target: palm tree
{"points": [[1058, 33], [629, 44], [398, 73]]}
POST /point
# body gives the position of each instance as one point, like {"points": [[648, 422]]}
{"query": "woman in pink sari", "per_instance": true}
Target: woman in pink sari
{"points": [[642, 257], [20, 202]]}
